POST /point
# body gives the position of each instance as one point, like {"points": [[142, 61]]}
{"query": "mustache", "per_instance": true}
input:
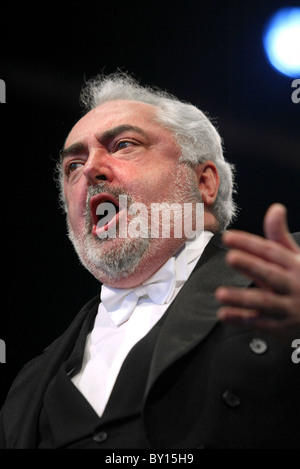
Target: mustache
{"points": [[103, 187]]}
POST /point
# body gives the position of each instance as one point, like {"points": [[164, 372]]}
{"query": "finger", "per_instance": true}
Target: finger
{"points": [[271, 251], [237, 315], [252, 319], [276, 227], [252, 299], [266, 274], [284, 330]]}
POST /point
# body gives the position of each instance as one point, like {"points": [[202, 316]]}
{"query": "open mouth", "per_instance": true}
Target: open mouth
{"points": [[105, 213]]}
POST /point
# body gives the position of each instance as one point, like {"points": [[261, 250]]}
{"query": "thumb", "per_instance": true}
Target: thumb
{"points": [[276, 227]]}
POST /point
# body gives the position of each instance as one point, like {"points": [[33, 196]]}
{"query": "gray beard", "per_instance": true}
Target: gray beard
{"points": [[117, 258], [117, 262], [113, 257]]}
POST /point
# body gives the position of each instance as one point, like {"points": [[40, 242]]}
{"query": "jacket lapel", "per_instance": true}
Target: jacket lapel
{"points": [[192, 315]]}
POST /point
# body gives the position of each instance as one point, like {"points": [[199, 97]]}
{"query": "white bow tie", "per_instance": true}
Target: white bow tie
{"points": [[121, 302]]}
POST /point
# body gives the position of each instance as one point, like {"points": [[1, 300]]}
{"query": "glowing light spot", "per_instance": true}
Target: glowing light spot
{"points": [[281, 41]]}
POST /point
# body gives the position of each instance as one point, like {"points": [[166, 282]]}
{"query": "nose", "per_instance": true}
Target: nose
{"points": [[97, 168]]}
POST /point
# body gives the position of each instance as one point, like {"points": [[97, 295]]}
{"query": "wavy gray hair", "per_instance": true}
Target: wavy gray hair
{"points": [[192, 129]]}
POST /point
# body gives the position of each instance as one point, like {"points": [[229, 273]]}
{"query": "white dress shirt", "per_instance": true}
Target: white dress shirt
{"points": [[131, 316]]}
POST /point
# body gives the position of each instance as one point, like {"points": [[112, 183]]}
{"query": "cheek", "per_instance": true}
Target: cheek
{"points": [[76, 204], [160, 184]]}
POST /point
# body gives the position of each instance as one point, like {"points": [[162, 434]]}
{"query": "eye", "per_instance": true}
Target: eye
{"points": [[73, 166], [123, 144]]}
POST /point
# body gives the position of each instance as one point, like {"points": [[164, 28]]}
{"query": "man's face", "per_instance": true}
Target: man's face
{"points": [[119, 149]]}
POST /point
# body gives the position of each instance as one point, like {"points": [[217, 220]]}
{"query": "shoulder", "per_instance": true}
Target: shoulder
{"points": [[25, 396], [59, 348]]}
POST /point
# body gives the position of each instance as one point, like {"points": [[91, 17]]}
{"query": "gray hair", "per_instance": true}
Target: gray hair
{"points": [[192, 129]]}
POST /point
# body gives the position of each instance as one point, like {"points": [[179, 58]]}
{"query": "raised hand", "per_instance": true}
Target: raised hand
{"points": [[273, 263]]}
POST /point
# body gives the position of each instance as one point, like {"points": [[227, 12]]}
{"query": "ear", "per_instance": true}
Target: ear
{"points": [[208, 182]]}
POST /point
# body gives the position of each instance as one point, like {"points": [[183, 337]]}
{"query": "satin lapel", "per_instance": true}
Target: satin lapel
{"points": [[192, 315]]}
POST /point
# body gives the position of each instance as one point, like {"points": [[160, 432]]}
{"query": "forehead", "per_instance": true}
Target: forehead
{"points": [[112, 114]]}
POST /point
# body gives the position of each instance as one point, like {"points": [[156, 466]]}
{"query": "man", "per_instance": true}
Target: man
{"points": [[155, 362]]}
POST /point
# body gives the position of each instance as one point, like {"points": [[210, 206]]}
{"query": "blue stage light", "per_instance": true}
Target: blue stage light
{"points": [[281, 41]]}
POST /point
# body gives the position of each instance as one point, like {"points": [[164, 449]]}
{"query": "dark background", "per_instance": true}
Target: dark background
{"points": [[208, 53]]}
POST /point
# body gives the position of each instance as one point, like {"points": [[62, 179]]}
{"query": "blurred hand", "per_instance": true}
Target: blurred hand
{"points": [[273, 263]]}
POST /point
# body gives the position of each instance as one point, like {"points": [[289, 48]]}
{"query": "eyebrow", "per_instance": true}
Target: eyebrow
{"points": [[104, 137], [74, 149], [111, 133]]}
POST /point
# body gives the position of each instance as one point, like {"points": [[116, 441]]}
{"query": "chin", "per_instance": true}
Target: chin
{"points": [[112, 259]]}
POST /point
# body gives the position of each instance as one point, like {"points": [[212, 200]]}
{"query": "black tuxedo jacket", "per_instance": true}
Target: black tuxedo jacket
{"points": [[209, 385]]}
